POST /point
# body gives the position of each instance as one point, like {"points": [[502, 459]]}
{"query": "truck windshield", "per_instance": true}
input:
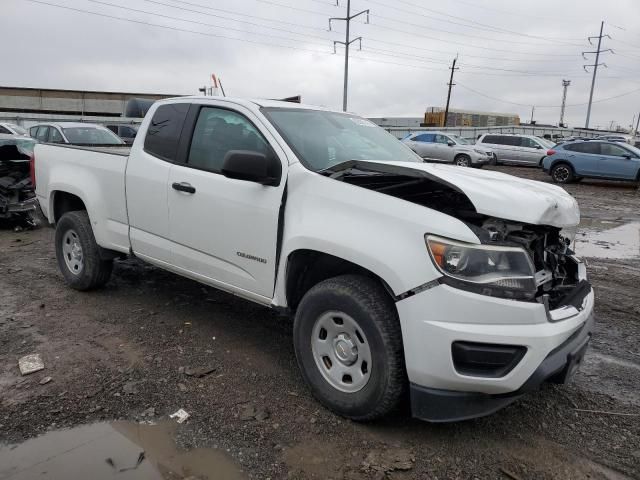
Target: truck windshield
{"points": [[91, 136], [323, 139]]}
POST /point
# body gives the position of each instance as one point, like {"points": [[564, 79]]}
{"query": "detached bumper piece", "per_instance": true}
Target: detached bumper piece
{"points": [[433, 405]]}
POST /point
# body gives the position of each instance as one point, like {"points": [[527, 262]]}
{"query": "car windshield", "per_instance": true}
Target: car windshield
{"points": [[91, 136], [460, 140], [324, 139], [546, 143], [18, 129], [635, 150]]}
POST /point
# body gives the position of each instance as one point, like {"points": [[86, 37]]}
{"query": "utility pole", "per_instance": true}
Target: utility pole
{"points": [[451, 84], [637, 125], [565, 85], [347, 42], [533, 109], [595, 68]]}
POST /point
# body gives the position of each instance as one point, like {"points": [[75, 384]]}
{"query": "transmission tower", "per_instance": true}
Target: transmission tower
{"points": [[347, 42], [595, 67], [565, 85]]}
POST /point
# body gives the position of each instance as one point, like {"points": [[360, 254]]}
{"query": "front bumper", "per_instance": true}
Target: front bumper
{"points": [[433, 320], [434, 405], [478, 159]]}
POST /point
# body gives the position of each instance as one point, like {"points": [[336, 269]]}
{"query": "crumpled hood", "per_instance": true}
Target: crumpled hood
{"points": [[504, 196]]}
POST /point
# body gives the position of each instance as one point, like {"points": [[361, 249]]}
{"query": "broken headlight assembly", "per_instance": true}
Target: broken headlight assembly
{"points": [[498, 271]]}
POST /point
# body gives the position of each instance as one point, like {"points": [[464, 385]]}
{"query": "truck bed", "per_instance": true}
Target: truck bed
{"points": [[123, 150]]}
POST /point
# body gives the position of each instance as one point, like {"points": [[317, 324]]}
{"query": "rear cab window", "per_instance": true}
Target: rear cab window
{"points": [[163, 134]]}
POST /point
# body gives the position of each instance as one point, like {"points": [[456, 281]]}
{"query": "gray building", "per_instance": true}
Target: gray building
{"points": [[27, 106]]}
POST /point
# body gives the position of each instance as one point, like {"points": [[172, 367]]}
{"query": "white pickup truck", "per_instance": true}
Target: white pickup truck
{"points": [[455, 286]]}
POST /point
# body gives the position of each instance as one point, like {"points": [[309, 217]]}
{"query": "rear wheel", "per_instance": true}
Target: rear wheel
{"points": [[562, 173], [348, 345], [78, 253], [463, 160]]}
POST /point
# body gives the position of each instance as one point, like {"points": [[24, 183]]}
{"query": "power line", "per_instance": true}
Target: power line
{"points": [[167, 27], [467, 45], [207, 7], [546, 106], [253, 24], [492, 28], [405, 23]]}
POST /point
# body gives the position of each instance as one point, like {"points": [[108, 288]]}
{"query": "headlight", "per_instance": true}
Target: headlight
{"points": [[485, 269]]}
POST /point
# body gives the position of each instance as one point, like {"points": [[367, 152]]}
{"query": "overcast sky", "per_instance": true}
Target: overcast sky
{"points": [[513, 50]]}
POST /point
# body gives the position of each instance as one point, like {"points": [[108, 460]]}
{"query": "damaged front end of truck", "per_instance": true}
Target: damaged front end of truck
{"points": [[525, 230]]}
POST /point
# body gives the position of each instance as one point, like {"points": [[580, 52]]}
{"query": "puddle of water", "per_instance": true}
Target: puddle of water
{"points": [[599, 239], [113, 451]]}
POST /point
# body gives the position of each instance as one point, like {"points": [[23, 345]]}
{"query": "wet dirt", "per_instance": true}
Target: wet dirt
{"points": [[123, 450], [609, 241], [114, 354]]}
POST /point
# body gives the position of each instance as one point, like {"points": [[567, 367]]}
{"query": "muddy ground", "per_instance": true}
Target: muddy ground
{"points": [[121, 353]]}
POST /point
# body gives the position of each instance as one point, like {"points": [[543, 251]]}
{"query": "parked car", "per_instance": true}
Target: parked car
{"points": [[616, 138], [448, 148], [594, 159], [125, 132], [515, 149], [454, 285], [17, 198], [74, 133], [13, 129]]}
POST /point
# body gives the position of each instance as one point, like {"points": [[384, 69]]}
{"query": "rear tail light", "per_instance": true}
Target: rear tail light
{"points": [[550, 152], [32, 169]]}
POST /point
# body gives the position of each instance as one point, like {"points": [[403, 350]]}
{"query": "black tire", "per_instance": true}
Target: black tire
{"points": [[562, 173], [366, 302], [462, 160], [95, 271]]}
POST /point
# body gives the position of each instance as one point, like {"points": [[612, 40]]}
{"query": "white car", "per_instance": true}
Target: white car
{"points": [[455, 285], [13, 129], [448, 148], [75, 133]]}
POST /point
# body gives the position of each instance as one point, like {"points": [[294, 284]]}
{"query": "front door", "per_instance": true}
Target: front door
{"points": [[614, 164], [445, 152], [224, 231]]}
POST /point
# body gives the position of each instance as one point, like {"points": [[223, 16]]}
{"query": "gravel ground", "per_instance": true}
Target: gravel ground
{"points": [[114, 353]]}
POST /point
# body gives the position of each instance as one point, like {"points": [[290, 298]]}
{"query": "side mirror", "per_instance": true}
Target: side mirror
{"points": [[538, 147], [252, 167], [627, 156], [450, 143]]}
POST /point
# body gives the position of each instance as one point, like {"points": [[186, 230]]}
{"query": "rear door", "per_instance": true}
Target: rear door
{"points": [[500, 146], [617, 162], [584, 157], [147, 180], [423, 145], [224, 231]]}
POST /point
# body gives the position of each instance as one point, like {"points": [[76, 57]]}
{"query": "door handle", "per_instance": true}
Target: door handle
{"points": [[183, 187]]}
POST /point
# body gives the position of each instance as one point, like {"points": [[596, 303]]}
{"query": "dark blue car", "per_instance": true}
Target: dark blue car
{"points": [[572, 161]]}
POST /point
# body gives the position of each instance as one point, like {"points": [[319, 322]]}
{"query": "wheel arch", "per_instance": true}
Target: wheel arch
{"points": [[63, 202], [306, 268]]}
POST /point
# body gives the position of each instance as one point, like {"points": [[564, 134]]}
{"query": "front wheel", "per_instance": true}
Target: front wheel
{"points": [[562, 173], [463, 161], [348, 345], [78, 253]]}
